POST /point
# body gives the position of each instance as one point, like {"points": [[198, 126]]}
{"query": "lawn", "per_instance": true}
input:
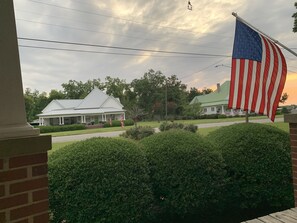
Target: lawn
{"points": [[202, 131], [153, 124]]}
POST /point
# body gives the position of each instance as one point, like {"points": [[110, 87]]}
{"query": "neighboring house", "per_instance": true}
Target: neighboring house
{"points": [[217, 101], [96, 106]]}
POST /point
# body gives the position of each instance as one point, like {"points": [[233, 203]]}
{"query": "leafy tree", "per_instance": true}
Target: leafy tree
{"points": [[78, 90], [295, 19], [55, 94], [136, 114], [193, 110], [116, 88], [193, 93]]}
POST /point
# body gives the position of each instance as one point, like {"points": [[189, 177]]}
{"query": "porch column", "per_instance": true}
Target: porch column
{"points": [[223, 110], [102, 118], [62, 120], [105, 117], [292, 120], [124, 116], [82, 119], [23, 153]]}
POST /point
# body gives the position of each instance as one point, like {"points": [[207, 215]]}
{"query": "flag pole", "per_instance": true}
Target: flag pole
{"points": [[264, 34]]}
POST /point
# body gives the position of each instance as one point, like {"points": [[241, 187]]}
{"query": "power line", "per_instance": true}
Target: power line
{"points": [[114, 34], [100, 52], [123, 19], [122, 48]]}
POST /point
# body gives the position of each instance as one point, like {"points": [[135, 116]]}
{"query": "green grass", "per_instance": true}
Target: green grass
{"points": [[153, 124]]}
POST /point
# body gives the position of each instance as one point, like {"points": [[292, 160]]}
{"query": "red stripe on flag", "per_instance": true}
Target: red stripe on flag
{"points": [[273, 79], [248, 86], [256, 89], [265, 76], [232, 83], [281, 84], [240, 85]]}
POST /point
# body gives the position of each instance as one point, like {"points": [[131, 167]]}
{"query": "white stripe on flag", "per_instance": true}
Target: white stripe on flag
{"points": [[244, 83], [259, 99], [236, 83], [277, 81], [253, 82], [272, 60]]}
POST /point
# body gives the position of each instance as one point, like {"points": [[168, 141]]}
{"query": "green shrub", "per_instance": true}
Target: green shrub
{"points": [[259, 168], [222, 116], [117, 123], [165, 126], [187, 177], [139, 132], [99, 180], [61, 128]]}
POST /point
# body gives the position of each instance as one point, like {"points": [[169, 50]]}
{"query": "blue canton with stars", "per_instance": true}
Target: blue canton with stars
{"points": [[247, 43]]}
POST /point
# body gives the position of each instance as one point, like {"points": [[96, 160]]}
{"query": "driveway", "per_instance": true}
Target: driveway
{"points": [[117, 133]]}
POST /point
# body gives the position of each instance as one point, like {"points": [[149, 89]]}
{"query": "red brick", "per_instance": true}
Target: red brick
{"points": [[29, 210], [294, 149], [1, 164], [40, 195], [22, 221], [11, 175], [14, 201], [2, 190], [27, 160], [293, 142], [41, 218], [28, 185], [293, 125], [2, 217], [293, 131], [294, 155], [41, 170], [293, 136]]}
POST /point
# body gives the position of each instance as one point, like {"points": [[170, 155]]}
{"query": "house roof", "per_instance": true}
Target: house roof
{"points": [[96, 102], [220, 97]]}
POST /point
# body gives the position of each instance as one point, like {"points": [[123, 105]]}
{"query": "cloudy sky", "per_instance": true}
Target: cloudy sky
{"points": [[204, 34]]}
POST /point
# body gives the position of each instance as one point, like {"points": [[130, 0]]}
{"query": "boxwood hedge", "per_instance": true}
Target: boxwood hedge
{"points": [[99, 180], [258, 163], [61, 128], [187, 177]]}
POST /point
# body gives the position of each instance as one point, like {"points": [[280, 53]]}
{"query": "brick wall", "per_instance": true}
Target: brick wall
{"points": [[23, 180], [292, 120]]}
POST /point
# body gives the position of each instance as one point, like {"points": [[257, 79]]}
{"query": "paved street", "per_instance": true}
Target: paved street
{"points": [[117, 133]]}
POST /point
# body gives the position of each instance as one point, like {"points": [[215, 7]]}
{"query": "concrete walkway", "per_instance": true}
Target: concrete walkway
{"points": [[117, 133]]}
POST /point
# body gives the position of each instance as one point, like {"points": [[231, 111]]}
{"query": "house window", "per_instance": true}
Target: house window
{"points": [[212, 108], [205, 110]]}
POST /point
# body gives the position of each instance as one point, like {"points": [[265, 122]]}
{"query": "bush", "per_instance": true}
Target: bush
{"points": [[187, 177], [259, 168], [117, 123], [99, 180], [165, 126], [139, 132], [61, 128]]}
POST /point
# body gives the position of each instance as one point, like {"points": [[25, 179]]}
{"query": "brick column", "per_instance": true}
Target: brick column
{"points": [[292, 120], [23, 180]]}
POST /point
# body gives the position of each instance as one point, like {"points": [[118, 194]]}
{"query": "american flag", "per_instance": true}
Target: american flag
{"points": [[258, 72]]}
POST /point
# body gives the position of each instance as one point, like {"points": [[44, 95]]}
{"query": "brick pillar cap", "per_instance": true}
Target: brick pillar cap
{"points": [[290, 118]]}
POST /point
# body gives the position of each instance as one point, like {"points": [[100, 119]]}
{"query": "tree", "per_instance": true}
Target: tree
{"points": [[284, 97], [295, 19], [136, 114], [193, 110], [79, 90], [116, 88], [55, 94]]}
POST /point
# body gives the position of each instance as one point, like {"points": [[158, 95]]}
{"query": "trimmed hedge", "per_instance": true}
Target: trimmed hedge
{"points": [[139, 132], [187, 177], [61, 128], [165, 126], [259, 169], [99, 180], [117, 123]]}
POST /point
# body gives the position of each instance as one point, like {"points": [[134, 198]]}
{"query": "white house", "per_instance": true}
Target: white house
{"points": [[96, 106], [217, 101]]}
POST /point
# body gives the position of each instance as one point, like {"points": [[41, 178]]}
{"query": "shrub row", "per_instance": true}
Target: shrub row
{"points": [[139, 132], [165, 126], [61, 128], [117, 123], [236, 173]]}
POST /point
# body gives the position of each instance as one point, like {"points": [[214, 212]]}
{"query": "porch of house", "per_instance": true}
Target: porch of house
{"points": [[221, 110], [287, 216], [81, 119]]}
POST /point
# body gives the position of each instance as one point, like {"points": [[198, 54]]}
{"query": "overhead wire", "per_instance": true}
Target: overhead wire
{"points": [[120, 48]]}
